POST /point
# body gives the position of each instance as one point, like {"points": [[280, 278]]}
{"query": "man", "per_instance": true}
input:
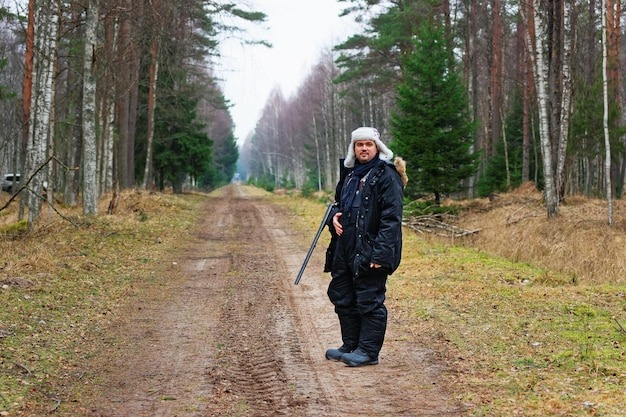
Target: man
{"points": [[368, 223]]}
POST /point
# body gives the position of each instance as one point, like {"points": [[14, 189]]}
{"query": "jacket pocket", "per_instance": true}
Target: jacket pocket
{"points": [[365, 254]]}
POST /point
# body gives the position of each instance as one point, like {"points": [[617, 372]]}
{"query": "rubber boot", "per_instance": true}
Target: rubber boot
{"points": [[359, 358], [336, 354], [372, 335], [350, 329]]}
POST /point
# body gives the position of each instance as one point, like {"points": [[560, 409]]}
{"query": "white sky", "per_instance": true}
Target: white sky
{"points": [[299, 31]]}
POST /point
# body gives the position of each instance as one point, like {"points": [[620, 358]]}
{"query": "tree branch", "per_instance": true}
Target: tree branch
{"points": [[432, 224], [620, 326]]}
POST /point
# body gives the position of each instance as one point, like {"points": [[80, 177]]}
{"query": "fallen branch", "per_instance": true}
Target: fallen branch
{"points": [[57, 404], [24, 368], [510, 220], [620, 326], [433, 224]]}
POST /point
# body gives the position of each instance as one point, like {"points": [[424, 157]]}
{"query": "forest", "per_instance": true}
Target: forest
{"points": [[478, 96], [101, 96]]}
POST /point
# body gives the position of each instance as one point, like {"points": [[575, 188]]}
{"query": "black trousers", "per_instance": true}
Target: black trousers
{"points": [[360, 304]]}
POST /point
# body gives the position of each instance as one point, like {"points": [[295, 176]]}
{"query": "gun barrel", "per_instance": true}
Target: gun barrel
{"points": [[315, 239]]}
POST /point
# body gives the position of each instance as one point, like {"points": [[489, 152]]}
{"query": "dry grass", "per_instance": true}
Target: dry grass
{"points": [[526, 311], [578, 242], [539, 327]]}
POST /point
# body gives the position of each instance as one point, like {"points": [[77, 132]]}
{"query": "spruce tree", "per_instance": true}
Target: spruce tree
{"points": [[431, 127], [182, 148], [225, 163]]}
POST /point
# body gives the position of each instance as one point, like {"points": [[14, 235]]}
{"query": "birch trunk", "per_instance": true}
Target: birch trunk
{"points": [[526, 123], [605, 121], [541, 79], [50, 149], [328, 115], [506, 156], [318, 158], [566, 89], [109, 149], [90, 178], [27, 97], [107, 108], [154, 72], [46, 19], [328, 169]]}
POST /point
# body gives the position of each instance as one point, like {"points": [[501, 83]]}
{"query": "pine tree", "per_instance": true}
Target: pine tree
{"points": [[431, 128]]}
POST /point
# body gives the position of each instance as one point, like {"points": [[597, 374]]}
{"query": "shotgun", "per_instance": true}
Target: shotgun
{"points": [[315, 239]]}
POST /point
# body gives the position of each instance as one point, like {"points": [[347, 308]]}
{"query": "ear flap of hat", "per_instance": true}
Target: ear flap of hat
{"points": [[384, 152], [350, 156]]}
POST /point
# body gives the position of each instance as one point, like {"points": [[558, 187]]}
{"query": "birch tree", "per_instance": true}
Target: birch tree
{"points": [[90, 178], [566, 98], [107, 101], [541, 80], [617, 117], [27, 88], [605, 120], [39, 132]]}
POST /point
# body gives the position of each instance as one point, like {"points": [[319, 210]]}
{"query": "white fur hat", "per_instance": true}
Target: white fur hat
{"points": [[366, 133]]}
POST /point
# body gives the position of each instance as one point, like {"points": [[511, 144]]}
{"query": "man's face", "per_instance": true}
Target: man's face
{"points": [[365, 150]]}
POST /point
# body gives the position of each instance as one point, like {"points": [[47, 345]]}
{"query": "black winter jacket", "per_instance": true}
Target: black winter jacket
{"points": [[379, 219]]}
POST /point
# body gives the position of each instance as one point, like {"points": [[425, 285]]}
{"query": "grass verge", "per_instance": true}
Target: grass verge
{"points": [[61, 285]]}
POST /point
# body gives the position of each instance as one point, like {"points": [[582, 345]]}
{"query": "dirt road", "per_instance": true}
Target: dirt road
{"points": [[230, 335]]}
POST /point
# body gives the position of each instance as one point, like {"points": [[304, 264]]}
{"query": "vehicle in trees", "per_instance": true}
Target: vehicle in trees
{"points": [[9, 181]]}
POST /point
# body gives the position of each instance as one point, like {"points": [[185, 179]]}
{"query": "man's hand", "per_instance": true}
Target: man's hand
{"points": [[337, 224]]}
